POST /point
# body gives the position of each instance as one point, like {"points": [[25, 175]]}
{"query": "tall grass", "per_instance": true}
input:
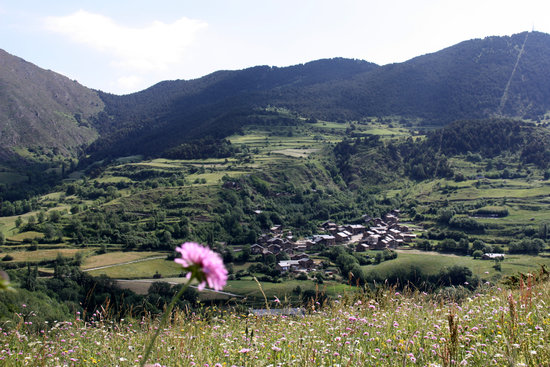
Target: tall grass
{"points": [[493, 327]]}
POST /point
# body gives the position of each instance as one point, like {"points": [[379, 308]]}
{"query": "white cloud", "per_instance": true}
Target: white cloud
{"points": [[154, 48]]}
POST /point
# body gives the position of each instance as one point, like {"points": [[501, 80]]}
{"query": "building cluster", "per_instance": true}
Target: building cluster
{"points": [[385, 232], [276, 242]]}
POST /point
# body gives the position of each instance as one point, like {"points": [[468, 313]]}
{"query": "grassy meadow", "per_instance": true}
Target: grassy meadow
{"points": [[494, 327], [432, 262]]}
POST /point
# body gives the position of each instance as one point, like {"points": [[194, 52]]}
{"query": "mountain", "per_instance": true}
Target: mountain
{"points": [[467, 80], [216, 105], [481, 78], [495, 76], [42, 111]]}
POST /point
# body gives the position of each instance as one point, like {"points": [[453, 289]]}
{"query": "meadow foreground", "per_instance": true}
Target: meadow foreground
{"points": [[493, 327]]}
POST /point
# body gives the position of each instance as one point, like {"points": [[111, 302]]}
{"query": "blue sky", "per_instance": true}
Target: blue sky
{"points": [[123, 46]]}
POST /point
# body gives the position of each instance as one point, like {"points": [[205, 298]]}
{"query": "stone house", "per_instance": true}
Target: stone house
{"points": [[324, 239], [256, 249], [361, 247]]}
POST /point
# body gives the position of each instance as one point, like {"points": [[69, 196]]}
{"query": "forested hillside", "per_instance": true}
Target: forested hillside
{"points": [[474, 79], [495, 76], [467, 80]]}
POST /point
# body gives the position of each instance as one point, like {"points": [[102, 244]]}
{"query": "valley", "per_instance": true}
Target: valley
{"points": [[334, 179], [274, 184], [122, 219]]}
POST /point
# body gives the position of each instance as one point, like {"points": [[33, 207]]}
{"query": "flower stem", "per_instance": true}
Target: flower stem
{"points": [[165, 317]]}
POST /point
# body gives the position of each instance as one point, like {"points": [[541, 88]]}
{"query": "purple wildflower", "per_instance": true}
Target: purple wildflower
{"points": [[204, 264]]}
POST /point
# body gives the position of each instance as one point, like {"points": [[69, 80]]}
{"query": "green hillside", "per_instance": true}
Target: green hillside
{"points": [[472, 79]]}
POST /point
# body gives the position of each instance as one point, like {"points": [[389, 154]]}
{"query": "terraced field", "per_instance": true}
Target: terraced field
{"points": [[195, 184]]}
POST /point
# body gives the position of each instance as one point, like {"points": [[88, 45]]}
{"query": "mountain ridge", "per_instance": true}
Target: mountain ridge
{"points": [[463, 81]]}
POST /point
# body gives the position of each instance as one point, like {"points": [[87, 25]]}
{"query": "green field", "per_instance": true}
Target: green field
{"points": [[432, 262], [196, 187], [142, 269], [113, 258], [29, 235], [50, 254]]}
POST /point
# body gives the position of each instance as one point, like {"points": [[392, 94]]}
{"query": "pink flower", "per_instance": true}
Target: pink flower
{"points": [[204, 264]]}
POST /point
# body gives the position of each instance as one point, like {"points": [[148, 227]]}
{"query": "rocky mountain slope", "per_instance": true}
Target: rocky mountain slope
{"points": [[43, 111]]}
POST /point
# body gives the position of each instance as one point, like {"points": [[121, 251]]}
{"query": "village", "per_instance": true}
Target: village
{"points": [[376, 234]]}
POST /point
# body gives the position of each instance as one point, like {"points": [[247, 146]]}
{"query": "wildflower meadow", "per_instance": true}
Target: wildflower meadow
{"points": [[494, 327]]}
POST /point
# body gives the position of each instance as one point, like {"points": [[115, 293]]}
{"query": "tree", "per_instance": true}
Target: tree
{"points": [[18, 222], [30, 278], [477, 254], [54, 216], [41, 216], [356, 274], [456, 275], [462, 245], [167, 238], [245, 254], [228, 256], [448, 244], [31, 222], [282, 256], [478, 245], [418, 172], [50, 231], [270, 259], [444, 215], [543, 230], [424, 245]]}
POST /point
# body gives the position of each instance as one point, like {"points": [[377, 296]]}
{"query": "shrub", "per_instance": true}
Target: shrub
{"points": [[492, 211], [424, 245], [477, 254], [466, 223], [530, 246]]}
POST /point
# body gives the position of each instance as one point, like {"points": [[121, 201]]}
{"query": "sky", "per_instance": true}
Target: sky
{"points": [[123, 46]]}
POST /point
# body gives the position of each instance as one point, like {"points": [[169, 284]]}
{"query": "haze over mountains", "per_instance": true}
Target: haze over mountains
{"points": [[42, 110]]}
